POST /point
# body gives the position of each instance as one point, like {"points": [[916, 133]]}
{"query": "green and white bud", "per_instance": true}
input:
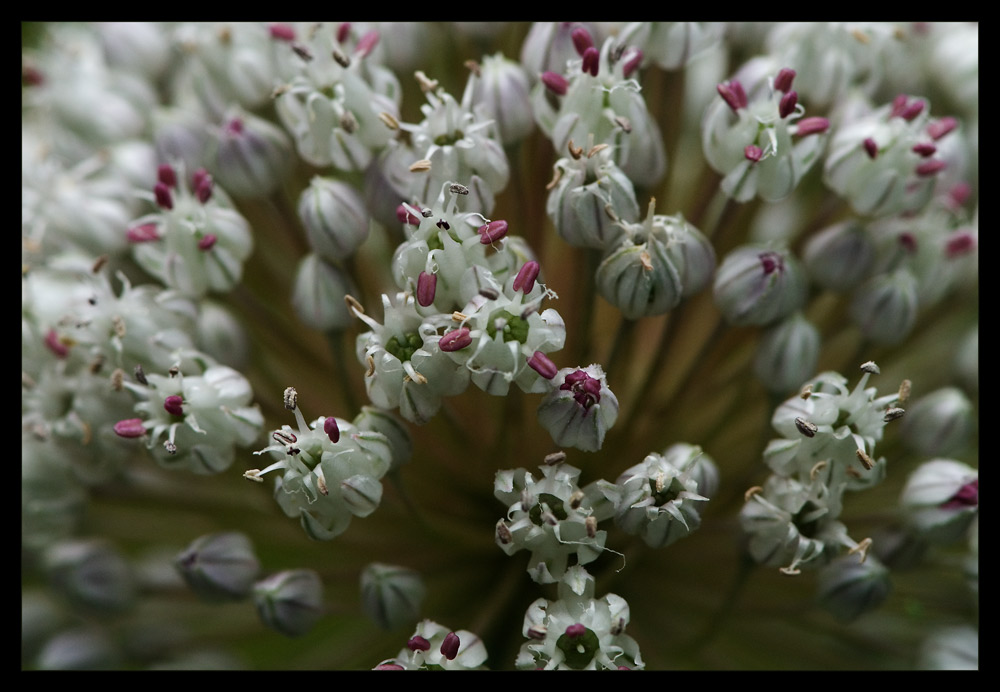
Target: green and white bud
{"points": [[290, 602], [219, 567], [334, 217], [939, 424], [757, 285], [391, 595]]}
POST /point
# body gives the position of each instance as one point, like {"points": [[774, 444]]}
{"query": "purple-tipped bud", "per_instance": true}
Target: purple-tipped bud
{"points": [[555, 83], [55, 345], [282, 32], [787, 104], [631, 62], [967, 496], [406, 216], [732, 93], [166, 175], [343, 32], [172, 405], [753, 153], [449, 647], [924, 149], [582, 40], [130, 427], [331, 429], [960, 243], [526, 277], [783, 82], [871, 148], [455, 340], [418, 643], [208, 242], [163, 197], [940, 128], [586, 389], [576, 630], [812, 126], [143, 233], [367, 43], [426, 287], [540, 363], [591, 61], [493, 231], [931, 167]]}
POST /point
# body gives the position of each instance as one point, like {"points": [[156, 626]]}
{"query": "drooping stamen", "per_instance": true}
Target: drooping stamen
{"points": [[783, 82], [732, 93], [540, 363], [331, 429], [753, 153], [591, 61], [493, 231], [166, 175], [812, 126], [130, 427], [931, 167], [450, 645], [163, 197], [526, 277], [455, 340], [144, 233], [940, 128], [871, 148], [786, 106], [426, 287], [555, 83], [172, 405], [581, 40]]}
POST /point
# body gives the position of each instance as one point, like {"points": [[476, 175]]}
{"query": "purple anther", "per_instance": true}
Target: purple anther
{"points": [[203, 190], [812, 126], [493, 231], [940, 128], [143, 233], [282, 32], [55, 345], [898, 105], [163, 197], [771, 262], [367, 43], [172, 405], [783, 82], [591, 61], [912, 110], [426, 287], [924, 149], [388, 666], [752, 152], [871, 148], [526, 277], [404, 215], [449, 647], [343, 32], [208, 241], [960, 243], [967, 496], [555, 83], [32, 76], [908, 241], [165, 174], [732, 93], [130, 427], [540, 363], [582, 40], [586, 389], [331, 429], [786, 106], [931, 167], [960, 193], [234, 128], [455, 340], [418, 643], [631, 61], [576, 630]]}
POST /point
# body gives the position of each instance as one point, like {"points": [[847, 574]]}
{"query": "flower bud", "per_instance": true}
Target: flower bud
{"points": [[885, 307], [290, 602], [941, 498], [592, 196], [580, 409], [849, 587], [787, 354], [951, 648], [219, 567], [838, 258], [397, 436], [502, 92], [91, 573], [334, 217], [318, 295], [939, 424], [361, 493], [250, 156], [756, 285], [391, 595], [83, 648]]}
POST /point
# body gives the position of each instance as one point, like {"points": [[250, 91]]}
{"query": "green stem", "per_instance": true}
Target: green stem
{"points": [[335, 338], [719, 617]]}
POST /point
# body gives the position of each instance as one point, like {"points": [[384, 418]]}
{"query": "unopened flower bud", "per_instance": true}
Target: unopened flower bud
{"points": [[391, 595], [848, 587], [290, 602], [581, 408], [219, 567], [250, 156], [92, 574], [939, 424], [334, 217], [838, 258], [787, 354], [941, 498], [885, 307], [756, 285], [318, 294]]}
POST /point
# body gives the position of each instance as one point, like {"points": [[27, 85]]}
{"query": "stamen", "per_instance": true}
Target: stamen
{"points": [[591, 61], [426, 288], [163, 197], [870, 367], [783, 82], [805, 427], [904, 391], [871, 147], [555, 83], [786, 106], [173, 405], [540, 363], [420, 166], [865, 460], [503, 533], [450, 645], [455, 340], [418, 643], [526, 277], [331, 429], [732, 93], [493, 231], [291, 398], [893, 413], [253, 475], [130, 428]]}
